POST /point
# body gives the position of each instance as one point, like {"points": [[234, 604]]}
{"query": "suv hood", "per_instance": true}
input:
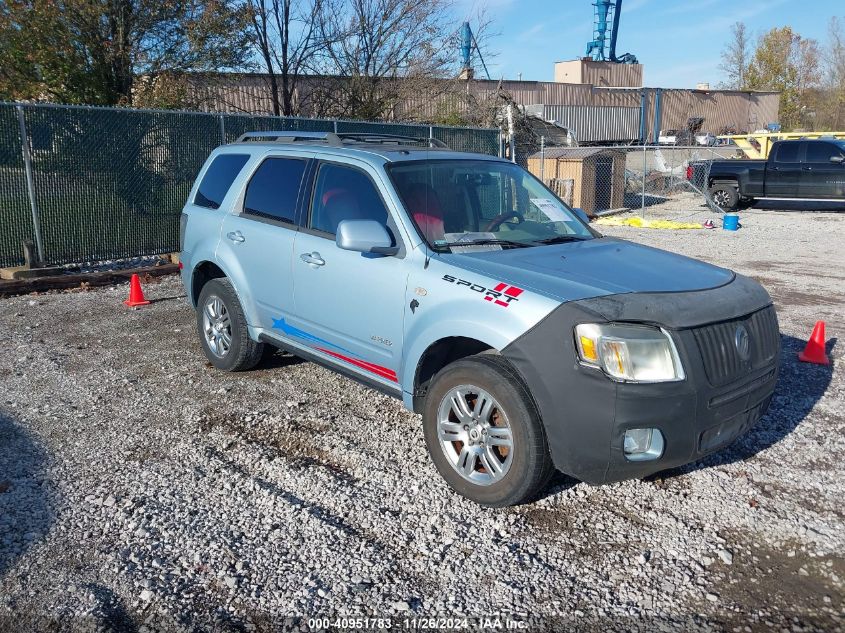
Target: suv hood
{"points": [[597, 267]]}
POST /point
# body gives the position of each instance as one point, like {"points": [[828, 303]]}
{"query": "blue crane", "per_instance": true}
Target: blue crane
{"points": [[468, 43], [602, 48]]}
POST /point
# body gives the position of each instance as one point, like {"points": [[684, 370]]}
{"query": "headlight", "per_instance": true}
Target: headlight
{"points": [[636, 353]]}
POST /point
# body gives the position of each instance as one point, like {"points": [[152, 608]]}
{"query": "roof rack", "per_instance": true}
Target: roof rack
{"points": [[337, 140], [290, 137], [375, 137]]}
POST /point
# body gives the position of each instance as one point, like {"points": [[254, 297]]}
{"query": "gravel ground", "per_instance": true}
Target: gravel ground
{"points": [[142, 490]]}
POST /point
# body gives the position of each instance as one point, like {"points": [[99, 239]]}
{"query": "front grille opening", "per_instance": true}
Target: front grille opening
{"points": [[717, 345]]}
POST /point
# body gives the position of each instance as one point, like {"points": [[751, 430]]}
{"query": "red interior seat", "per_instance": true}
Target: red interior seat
{"points": [[424, 205]]}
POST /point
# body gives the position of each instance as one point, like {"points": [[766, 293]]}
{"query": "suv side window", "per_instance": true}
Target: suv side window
{"points": [[821, 152], [218, 178], [273, 189], [788, 153], [344, 193]]}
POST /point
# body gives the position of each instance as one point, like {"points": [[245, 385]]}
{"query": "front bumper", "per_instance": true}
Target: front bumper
{"points": [[586, 414]]}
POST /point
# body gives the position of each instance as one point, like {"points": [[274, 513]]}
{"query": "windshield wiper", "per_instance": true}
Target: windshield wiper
{"points": [[485, 241], [560, 239]]}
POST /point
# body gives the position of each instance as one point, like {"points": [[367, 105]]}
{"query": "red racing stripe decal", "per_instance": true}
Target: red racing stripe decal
{"points": [[384, 372]]}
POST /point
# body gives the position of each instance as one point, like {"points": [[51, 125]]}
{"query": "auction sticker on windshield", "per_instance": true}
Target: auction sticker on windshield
{"points": [[551, 209]]}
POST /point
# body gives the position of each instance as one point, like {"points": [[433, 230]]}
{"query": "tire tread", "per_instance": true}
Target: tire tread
{"points": [[540, 463], [248, 352]]}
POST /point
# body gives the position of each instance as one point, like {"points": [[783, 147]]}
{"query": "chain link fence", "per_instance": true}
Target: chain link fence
{"points": [[671, 182], [95, 184], [15, 214], [653, 181]]}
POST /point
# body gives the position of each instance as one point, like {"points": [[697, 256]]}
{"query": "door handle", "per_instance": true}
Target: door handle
{"points": [[807, 168], [236, 236], [313, 259]]}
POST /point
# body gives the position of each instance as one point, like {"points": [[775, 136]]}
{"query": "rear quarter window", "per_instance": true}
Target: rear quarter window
{"points": [[787, 153], [218, 178], [273, 189]]}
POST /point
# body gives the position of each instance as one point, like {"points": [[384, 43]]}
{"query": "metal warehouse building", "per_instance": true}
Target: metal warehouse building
{"points": [[620, 113], [614, 110]]}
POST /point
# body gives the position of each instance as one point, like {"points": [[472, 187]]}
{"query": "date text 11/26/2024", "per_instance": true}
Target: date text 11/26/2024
{"points": [[421, 623]]}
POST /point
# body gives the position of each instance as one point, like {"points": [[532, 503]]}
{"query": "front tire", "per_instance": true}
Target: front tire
{"points": [[222, 328], [484, 433]]}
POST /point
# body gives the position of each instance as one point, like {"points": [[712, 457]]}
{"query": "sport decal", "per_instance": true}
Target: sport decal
{"points": [[502, 294], [384, 372], [317, 343], [509, 293]]}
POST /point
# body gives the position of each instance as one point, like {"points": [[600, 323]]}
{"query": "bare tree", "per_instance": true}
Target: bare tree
{"points": [[736, 57], [808, 63], [378, 53], [284, 36], [808, 58], [834, 79]]}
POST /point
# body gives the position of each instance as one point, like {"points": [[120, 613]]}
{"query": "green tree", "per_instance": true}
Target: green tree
{"points": [[785, 62], [93, 51]]}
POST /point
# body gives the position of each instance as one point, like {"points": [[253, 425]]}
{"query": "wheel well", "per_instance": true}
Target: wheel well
{"points": [[203, 273], [730, 183], [437, 356]]}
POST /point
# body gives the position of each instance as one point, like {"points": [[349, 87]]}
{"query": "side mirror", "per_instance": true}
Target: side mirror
{"points": [[837, 159], [582, 214], [364, 236]]}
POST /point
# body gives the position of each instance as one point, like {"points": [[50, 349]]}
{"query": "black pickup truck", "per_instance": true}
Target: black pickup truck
{"points": [[803, 169]]}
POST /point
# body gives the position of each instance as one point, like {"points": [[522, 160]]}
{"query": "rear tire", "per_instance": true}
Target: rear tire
{"points": [[222, 328], [484, 433], [725, 196]]}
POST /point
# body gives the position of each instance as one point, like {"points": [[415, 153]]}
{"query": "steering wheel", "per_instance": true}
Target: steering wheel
{"points": [[496, 222]]}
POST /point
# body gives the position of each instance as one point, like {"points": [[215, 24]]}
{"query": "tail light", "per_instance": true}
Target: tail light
{"points": [[689, 172], [183, 224]]}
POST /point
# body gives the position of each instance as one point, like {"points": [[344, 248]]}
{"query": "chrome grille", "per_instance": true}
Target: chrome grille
{"points": [[718, 349]]}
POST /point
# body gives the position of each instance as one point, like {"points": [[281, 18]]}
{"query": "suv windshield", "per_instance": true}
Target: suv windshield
{"points": [[460, 203]]}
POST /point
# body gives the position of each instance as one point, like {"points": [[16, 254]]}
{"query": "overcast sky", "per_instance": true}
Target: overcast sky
{"points": [[677, 42]]}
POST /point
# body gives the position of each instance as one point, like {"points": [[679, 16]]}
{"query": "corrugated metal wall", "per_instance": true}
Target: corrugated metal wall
{"points": [[243, 94], [744, 111], [593, 123]]}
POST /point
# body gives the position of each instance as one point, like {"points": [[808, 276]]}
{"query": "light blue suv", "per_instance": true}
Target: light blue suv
{"points": [[460, 284]]}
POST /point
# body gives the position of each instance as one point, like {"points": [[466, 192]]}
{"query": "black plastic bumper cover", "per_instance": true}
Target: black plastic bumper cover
{"points": [[586, 414]]}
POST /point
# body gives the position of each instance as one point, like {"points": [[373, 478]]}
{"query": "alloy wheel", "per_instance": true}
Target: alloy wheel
{"points": [[475, 435], [721, 198], [216, 326]]}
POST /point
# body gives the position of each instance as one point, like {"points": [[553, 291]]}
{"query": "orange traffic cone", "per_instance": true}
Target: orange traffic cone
{"points": [[814, 352], [136, 295]]}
